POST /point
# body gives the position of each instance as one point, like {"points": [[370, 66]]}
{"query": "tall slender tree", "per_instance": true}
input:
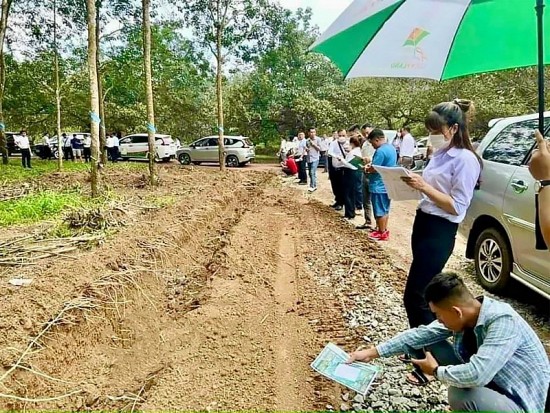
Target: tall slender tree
{"points": [[5, 10], [228, 28], [146, 5], [57, 88], [94, 94]]}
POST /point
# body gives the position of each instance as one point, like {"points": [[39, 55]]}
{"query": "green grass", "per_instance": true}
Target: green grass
{"points": [[14, 172], [39, 206]]}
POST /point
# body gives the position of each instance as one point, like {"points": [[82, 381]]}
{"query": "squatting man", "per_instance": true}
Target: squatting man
{"points": [[497, 363]]}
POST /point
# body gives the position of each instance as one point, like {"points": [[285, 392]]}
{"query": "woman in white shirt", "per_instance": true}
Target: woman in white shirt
{"points": [[352, 178], [447, 186]]}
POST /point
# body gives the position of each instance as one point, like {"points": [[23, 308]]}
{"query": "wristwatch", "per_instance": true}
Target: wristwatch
{"points": [[541, 184]]}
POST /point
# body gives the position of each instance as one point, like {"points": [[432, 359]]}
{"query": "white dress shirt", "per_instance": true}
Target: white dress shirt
{"points": [[335, 152], [454, 172], [22, 142], [407, 147]]}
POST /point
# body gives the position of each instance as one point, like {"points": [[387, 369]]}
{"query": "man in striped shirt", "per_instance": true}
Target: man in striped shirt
{"points": [[497, 362]]}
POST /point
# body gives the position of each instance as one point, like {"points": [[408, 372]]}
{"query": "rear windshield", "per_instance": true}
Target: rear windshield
{"points": [[165, 141], [248, 142]]}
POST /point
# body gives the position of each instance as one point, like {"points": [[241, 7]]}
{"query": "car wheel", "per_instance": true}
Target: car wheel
{"points": [[232, 161], [493, 260], [184, 159]]}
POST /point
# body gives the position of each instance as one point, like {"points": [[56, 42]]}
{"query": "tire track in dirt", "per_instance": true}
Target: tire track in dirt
{"points": [[287, 388]]}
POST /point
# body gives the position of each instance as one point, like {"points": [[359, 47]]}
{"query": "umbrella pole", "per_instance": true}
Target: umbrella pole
{"points": [[540, 34]]}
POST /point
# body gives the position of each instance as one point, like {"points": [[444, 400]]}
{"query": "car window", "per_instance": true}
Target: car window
{"points": [[140, 139], [126, 141], [238, 143], [513, 144], [248, 142], [229, 141], [212, 142]]}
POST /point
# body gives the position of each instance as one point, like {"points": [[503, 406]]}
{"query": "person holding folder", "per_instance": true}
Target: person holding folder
{"points": [[447, 187], [352, 175], [385, 155], [540, 169]]}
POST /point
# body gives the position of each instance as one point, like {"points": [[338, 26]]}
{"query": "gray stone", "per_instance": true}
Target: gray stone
{"points": [[345, 397], [344, 407], [416, 392], [433, 400], [399, 401], [359, 399], [394, 392], [377, 404], [357, 407]]}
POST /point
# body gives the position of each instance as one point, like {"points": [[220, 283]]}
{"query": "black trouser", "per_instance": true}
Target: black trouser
{"points": [[68, 153], [113, 153], [302, 170], [336, 176], [350, 190], [367, 205], [359, 190], [433, 241], [87, 154], [26, 158]]}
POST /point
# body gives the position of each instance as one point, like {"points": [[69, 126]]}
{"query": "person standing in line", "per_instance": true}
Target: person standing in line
{"points": [[336, 152], [22, 141], [116, 151], [539, 166], [351, 176], [301, 158], [324, 153], [396, 143], [354, 132], [447, 186], [313, 155], [46, 147], [87, 148], [67, 147], [77, 146], [406, 149], [367, 152], [384, 156]]}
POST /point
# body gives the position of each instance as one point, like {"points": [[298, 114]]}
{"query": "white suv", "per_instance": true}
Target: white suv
{"points": [[137, 147], [500, 224]]}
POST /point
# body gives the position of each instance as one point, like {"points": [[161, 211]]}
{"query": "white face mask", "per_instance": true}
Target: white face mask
{"points": [[341, 139], [439, 142]]}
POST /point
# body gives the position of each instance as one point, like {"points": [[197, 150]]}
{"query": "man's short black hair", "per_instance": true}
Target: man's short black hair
{"points": [[445, 286], [311, 128], [376, 134], [407, 128], [367, 125], [353, 128]]}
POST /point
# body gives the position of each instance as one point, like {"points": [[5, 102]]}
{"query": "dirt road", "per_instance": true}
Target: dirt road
{"points": [[218, 300]]}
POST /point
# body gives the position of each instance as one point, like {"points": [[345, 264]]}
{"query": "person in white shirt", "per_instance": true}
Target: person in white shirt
{"points": [[116, 152], [336, 152], [396, 142], [22, 141], [87, 148], [351, 178], [46, 147], [367, 152], [301, 158], [324, 152], [110, 144], [406, 149], [67, 147]]}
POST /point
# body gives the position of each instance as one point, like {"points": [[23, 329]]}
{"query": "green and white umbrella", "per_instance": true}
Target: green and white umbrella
{"points": [[437, 39]]}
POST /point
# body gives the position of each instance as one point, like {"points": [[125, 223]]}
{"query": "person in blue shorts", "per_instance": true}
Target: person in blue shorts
{"points": [[385, 155]]}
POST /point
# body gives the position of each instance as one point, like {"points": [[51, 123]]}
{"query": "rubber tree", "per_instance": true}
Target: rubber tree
{"points": [[229, 29], [94, 94], [57, 89], [146, 28], [5, 10]]}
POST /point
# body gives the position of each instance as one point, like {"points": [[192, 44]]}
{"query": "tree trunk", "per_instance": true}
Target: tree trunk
{"points": [[102, 126], [94, 93], [146, 5], [57, 90], [6, 4], [219, 94]]}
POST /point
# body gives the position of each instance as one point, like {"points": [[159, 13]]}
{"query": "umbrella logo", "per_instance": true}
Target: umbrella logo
{"points": [[414, 40]]}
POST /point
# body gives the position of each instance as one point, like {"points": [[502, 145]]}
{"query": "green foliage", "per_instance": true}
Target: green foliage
{"points": [[36, 207]]}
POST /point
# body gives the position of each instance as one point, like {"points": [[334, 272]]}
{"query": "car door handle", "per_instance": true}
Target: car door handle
{"points": [[519, 186]]}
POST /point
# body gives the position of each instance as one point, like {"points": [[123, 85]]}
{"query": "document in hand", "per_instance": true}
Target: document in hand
{"points": [[396, 188], [357, 162], [331, 363]]}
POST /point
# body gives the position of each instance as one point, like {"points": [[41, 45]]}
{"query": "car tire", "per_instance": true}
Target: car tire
{"points": [[184, 159], [232, 161], [493, 260]]}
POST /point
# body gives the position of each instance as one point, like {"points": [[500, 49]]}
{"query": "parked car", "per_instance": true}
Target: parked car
{"points": [[239, 149], [39, 147], [500, 223], [421, 148], [136, 146]]}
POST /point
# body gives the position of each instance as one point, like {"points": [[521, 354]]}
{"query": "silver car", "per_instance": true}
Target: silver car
{"points": [[500, 224], [239, 151]]}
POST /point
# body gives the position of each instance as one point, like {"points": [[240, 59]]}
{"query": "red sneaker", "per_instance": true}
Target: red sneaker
{"points": [[380, 236]]}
